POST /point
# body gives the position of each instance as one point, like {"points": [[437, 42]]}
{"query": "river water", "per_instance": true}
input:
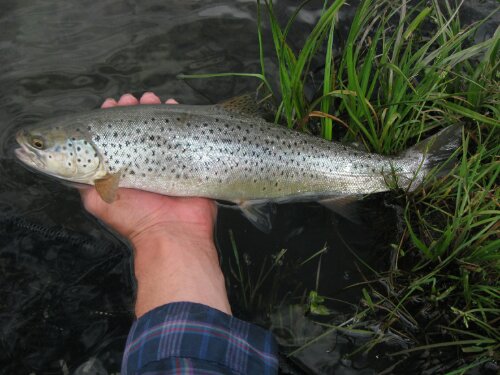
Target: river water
{"points": [[66, 296]]}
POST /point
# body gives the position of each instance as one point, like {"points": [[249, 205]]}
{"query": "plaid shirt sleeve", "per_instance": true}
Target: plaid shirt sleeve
{"points": [[190, 338]]}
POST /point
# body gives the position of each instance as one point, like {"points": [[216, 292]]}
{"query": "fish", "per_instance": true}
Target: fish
{"points": [[226, 152]]}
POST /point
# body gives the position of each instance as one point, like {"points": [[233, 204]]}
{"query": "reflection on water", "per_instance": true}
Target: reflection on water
{"points": [[67, 290]]}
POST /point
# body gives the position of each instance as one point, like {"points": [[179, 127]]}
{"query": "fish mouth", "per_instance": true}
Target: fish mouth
{"points": [[24, 153]]}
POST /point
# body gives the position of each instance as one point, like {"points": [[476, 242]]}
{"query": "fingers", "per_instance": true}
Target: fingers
{"points": [[129, 99], [109, 102], [149, 98]]}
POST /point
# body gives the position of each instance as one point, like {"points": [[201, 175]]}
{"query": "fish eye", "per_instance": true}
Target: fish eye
{"points": [[37, 143]]}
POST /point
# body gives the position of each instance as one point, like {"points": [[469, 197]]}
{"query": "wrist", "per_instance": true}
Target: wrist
{"points": [[173, 265]]}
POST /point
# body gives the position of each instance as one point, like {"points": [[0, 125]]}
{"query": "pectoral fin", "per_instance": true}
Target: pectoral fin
{"points": [[107, 187]]}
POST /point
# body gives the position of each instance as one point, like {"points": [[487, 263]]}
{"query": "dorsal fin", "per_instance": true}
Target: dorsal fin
{"points": [[244, 105]]}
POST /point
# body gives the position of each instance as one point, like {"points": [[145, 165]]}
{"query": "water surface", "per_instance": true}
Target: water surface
{"points": [[67, 287]]}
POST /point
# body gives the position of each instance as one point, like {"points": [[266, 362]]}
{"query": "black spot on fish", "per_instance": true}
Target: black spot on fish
{"points": [[137, 130], [115, 134], [150, 169], [79, 160], [88, 160], [78, 148], [152, 119], [69, 164], [152, 138], [132, 172], [144, 175]]}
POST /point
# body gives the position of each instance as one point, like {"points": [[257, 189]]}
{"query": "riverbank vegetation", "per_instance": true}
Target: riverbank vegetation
{"points": [[400, 74]]}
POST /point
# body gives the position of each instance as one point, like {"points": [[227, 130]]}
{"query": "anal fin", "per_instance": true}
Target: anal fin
{"points": [[344, 205]]}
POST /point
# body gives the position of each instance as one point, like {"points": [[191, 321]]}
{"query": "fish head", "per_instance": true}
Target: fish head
{"points": [[66, 153]]}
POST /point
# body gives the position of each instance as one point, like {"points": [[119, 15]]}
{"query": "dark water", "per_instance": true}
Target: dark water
{"points": [[67, 289]]}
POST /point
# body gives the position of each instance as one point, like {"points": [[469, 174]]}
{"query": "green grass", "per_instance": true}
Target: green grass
{"points": [[405, 72]]}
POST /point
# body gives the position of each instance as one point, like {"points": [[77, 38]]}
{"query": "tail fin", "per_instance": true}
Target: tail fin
{"points": [[432, 152]]}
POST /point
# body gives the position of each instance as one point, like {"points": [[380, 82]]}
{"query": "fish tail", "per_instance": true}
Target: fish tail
{"points": [[433, 152]]}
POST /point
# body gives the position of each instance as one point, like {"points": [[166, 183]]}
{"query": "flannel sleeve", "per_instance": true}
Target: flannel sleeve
{"points": [[190, 338]]}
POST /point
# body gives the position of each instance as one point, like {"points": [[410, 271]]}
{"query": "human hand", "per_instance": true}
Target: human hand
{"points": [[175, 256]]}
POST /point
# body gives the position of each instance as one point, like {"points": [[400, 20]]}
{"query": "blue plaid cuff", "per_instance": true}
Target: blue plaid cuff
{"points": [[189, 338]]}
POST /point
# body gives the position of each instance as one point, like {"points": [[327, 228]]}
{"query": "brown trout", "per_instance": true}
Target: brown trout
{"points": [[223, 151]]}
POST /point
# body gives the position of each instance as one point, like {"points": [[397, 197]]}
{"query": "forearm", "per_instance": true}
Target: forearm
{"points": [[172, 266]]}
